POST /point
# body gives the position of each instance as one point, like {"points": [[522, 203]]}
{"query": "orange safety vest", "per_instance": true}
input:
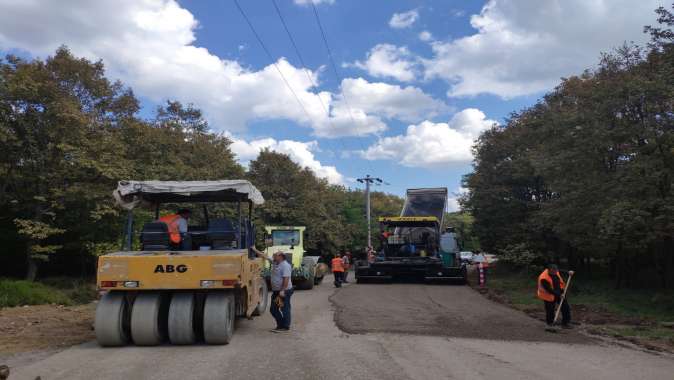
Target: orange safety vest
{"points": [[544, 294], [172, 223], [337, 265]]}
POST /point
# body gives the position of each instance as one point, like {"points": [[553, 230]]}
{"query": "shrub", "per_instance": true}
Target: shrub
{"points": [[19, 292], [521, 256]]}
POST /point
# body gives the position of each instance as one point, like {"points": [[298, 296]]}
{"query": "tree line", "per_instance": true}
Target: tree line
{"points": [[584, 177], [68, 134]]}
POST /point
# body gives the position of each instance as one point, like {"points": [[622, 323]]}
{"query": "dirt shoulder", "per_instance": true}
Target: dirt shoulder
{"points": [[44, 327], [592, 319]]}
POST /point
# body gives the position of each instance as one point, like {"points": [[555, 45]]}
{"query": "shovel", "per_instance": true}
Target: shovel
{"points": [[561, 301]]}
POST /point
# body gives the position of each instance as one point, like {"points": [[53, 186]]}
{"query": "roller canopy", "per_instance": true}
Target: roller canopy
{"points": [[130, 194]]}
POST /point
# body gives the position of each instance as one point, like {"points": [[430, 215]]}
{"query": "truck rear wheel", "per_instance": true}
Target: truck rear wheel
{"points": [[112, 320], [306, 284], [181, 318], [263, 293], [148, 316], [219, 310]]}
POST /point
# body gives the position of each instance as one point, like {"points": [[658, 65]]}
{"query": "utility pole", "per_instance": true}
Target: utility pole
{"points": [[368, 180]]}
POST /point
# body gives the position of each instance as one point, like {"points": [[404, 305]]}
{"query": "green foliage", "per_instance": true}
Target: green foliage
{"points": [[16, 293], [78, 290], [521, 256], [586, 174], [463, 225], [295, 196]]}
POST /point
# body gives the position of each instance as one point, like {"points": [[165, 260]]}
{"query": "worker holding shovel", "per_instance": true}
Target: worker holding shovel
{"points": [[552, 290]]}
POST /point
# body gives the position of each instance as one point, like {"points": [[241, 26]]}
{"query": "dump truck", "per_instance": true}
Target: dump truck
{"points": [[155, 290], [307, 271], [414, 244]]}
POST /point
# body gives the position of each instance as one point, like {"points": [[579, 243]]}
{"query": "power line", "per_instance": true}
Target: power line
{"points": [[305, 69], [297, 50], [271, 58], [332, 60], [339, 78]]}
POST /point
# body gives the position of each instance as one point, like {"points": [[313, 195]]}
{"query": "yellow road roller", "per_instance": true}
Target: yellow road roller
{"points": [[185, 272]]}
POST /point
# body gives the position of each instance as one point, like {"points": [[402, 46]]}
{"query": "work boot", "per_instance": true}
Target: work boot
{"points": [[566, 326]]}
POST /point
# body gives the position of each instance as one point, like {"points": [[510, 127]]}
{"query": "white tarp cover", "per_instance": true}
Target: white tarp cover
{"points": [[129, 193]]}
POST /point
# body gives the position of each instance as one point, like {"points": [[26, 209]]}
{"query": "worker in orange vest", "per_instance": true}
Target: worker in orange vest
{"points": [[338, 270], [177, 227], [550, 289]]}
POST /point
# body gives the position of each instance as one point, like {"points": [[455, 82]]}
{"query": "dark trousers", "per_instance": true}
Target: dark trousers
{"points": [[185, 242], [282, 314], [339, 278], [550, 312]]}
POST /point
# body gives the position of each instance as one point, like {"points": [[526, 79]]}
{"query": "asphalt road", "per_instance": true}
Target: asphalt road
{"points": [[404, 331]]}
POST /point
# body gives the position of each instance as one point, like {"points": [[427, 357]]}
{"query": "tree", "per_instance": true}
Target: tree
{"points": [[58, 122], [68, 135], [587, 172]]}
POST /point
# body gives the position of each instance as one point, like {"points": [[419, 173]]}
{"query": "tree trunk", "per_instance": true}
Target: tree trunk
{"points": [[31, 273]]}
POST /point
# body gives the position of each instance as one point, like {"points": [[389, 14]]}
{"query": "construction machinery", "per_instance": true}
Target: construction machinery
{"points": [[155, 291], [307, 271], [414, 245]]}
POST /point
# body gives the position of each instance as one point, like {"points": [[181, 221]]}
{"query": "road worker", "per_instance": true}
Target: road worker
{"points": [[338, 270], [550, 289], [177, 227], [371, 256], [346, 264]]}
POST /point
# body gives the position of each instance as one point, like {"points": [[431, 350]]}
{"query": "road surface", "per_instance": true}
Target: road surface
{"points": [[399, 331]]}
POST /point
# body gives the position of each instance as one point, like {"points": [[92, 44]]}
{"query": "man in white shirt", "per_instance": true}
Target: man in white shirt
{"points": [[186, 239], [281, 288]]}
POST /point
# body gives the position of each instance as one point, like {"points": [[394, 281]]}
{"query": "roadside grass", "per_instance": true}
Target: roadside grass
{"points": [[644, 314], [56, 290]]}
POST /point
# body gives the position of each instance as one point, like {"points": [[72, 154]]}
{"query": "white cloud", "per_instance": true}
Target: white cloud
{"points": [[524, 46], [404, 19], [431, 144], [299, 152], [388, 61], [316, 2], [408, 104], [426, 36], [149, 44]]}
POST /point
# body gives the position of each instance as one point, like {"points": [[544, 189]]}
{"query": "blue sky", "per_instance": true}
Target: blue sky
{"points": [[420, 79], [352, 29]]}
